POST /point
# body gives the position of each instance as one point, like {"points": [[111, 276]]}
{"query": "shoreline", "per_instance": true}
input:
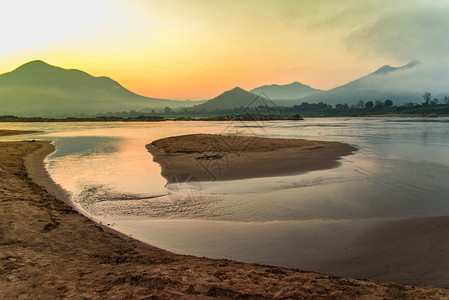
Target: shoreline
{"points": [[53, 251], [4, 132], [35, 166], [212, 118], [211, 157], [410, 251]]}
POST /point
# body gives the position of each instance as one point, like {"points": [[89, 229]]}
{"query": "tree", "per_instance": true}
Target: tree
{"points": [[360, 104], [341, 106], [434, 102], [167, 110], [379, 103], [322, 105], [305, 106], [446, 99], [388, 103], [427, 97], [369, 104]]}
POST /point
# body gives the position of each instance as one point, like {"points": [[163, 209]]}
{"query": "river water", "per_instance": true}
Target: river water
{"points": [[308, 221]]}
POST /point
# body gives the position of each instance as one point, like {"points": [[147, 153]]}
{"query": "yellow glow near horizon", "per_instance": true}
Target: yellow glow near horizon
{"points": [[197, 49]]}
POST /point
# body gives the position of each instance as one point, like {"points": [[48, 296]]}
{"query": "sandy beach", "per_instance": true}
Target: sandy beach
{"points": [[48, 250], [208, 157]]}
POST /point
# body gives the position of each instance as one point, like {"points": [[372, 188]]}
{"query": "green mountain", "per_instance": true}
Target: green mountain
{"points": [[292, 91], [39, 89], [237, 97], [400, 84]]}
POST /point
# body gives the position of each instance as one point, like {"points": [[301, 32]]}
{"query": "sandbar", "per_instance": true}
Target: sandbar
{"points": [[209, 157]]}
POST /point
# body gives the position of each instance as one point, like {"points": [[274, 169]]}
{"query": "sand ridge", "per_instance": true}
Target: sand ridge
{"points": [[209, 157], [198, 143]]}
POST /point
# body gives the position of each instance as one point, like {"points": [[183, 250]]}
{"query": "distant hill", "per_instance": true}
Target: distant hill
{"points": [[400, 84], [39, 89], [237, 97], [292, 91]]}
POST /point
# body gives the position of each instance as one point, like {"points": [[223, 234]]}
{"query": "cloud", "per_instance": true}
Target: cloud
{"points": [[407, 34], [432, 77]]}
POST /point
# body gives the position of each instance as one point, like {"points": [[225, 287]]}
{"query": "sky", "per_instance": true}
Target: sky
{"points": [[197, 49]]}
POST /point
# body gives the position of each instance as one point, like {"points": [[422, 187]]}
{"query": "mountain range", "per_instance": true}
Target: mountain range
{"points": [[400, 84], [292, 91], [39, 89]]}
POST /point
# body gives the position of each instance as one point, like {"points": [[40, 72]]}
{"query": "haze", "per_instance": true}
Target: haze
{"points": [[195, 50]]}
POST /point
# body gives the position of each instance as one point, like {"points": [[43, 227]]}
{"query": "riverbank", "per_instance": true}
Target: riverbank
{"points": [[15, 132], [209, 157], [47, 250], [247, 117]]}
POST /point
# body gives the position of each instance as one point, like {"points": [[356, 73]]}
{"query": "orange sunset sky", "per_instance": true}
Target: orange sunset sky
{"points": [[197, 49]]}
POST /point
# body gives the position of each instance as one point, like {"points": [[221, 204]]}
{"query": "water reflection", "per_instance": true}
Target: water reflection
{"points": [[398, 171], [85, 146]]}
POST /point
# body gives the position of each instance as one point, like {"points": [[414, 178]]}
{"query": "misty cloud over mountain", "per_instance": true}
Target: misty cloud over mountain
{"points": [[400, 84]]}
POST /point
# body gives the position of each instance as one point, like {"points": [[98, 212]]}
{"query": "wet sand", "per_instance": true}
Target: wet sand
{"points": [[408, 250], [208, 157], [48, 250], [412, 251]]}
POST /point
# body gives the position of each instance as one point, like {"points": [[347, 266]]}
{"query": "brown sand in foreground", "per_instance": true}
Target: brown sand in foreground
{"points": [[411, 250], [47, 251], [210, 157]]}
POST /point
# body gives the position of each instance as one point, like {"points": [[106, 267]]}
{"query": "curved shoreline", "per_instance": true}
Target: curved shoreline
{"points": [[35, 166], [52, 251]]}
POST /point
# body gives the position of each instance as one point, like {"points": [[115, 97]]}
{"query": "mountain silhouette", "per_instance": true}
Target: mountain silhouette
{"points": [[237, 97], [292, 91], [400, 84], [387, 69], [39, 89]]}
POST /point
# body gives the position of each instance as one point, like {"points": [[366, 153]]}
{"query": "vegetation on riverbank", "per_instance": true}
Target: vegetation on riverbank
{"points": [[429, 108]]}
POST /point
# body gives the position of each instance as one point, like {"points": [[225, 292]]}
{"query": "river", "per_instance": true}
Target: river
{"points": [[311, 221]]}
